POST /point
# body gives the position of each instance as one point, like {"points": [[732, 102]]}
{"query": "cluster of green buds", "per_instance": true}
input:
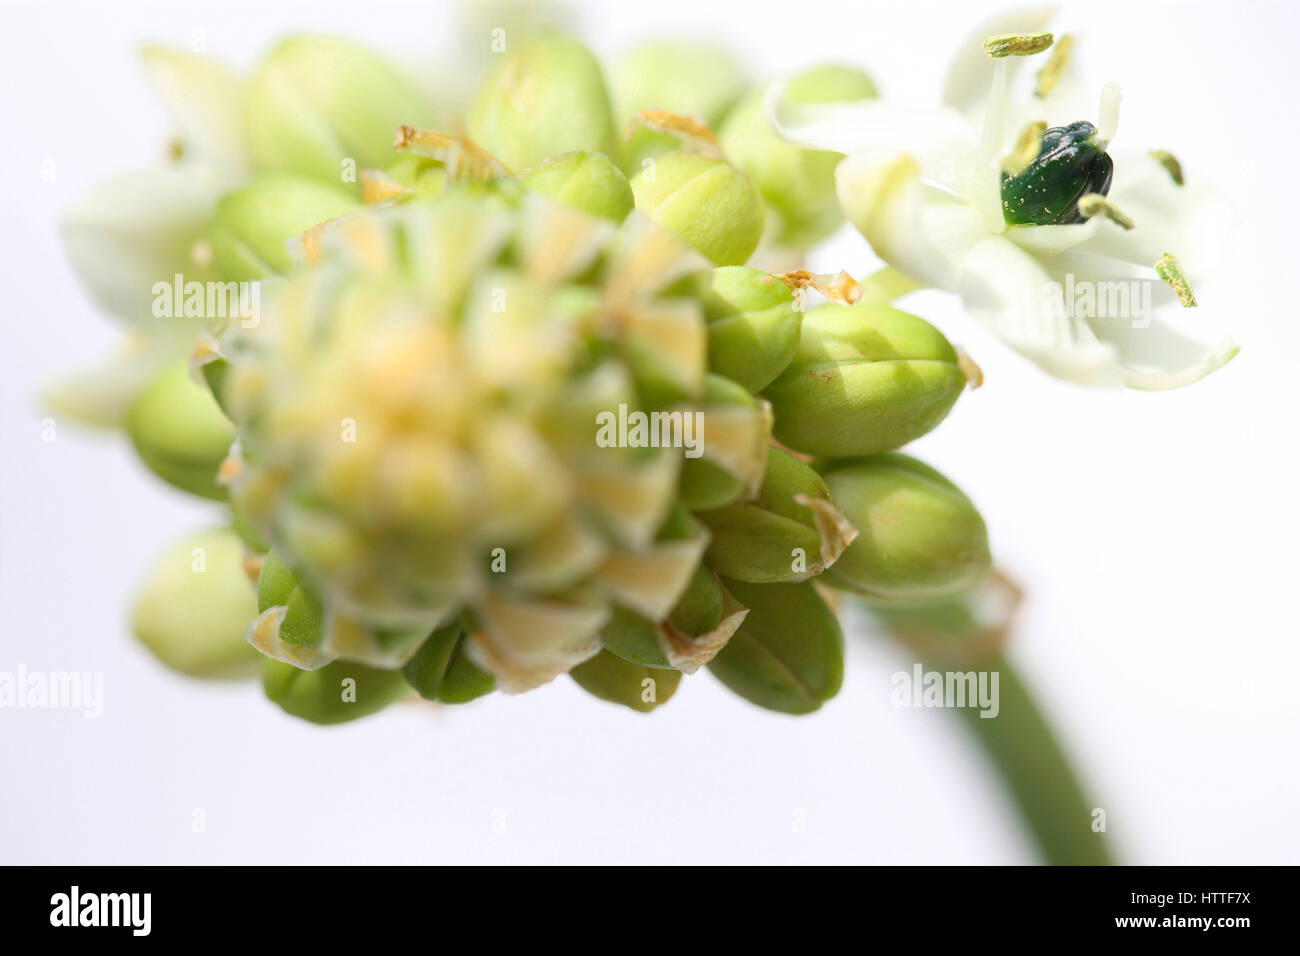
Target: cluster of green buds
{"points": [[518, 403]]}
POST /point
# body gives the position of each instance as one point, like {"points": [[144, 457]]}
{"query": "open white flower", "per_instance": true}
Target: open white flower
{"points": [[1073, 283]]}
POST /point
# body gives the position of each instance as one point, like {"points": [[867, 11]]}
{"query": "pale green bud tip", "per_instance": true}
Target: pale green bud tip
{"points": [[788, 654], [589, 182], [545, 98], [194, 606], [319, 104], [248, 234], [1016, 44], [1095, 204], [1171, 273], [636, 686], [708, 203], [180, 433], [864, 379], [921, 540]]}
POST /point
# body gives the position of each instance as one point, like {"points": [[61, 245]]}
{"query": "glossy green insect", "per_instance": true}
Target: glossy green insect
{"points": [[1071, 163]]}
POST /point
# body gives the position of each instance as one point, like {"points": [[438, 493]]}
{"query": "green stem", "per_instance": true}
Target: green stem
{"points": [[1019, 742], [1038, 774]]}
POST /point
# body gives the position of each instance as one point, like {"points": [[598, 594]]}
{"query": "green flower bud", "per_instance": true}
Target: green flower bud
{"points": [[180, 433], [621, 682], [753, 326], [922, 539], [545, 98], [734, 432], [442, 671], [788, 655], [586, 181], [686, 78], [712, 206], [699, 625], [323, 107], [194, 607], [421, 435], [792, 531], [338, 692], [864, 379], [253, 223], [278, 585], [798, 185]]}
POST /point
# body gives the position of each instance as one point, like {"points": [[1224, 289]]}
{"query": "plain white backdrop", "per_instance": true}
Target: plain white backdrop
{"points": [[1158, 535]]}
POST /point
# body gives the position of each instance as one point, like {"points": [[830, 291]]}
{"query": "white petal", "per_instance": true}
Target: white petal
{"points": [[1052, 240], [137, 229], [939, 139], [1155, 356], [920, 230], [100, 396], [1194, 222], [1007, 289], [204, 97]]}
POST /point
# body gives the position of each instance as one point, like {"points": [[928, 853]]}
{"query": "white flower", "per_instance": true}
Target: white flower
{"points": [[925, 188], [143, 226]]}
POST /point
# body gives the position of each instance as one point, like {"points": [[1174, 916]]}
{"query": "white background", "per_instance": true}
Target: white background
{"points": [[1157, 534]]}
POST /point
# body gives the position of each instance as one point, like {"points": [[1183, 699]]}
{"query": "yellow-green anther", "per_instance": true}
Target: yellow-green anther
{"points": [[1170, 163], [1052, 70], [1171, 273], [1095, 204], [1026, 149], [1016, 44]]}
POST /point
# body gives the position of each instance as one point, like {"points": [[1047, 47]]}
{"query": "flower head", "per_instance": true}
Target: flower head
{"points": [[1010, 197]]}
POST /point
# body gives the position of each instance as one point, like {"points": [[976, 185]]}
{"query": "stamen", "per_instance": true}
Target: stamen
{"points": [[1095, 204], [1016, 44], [1171, 165], [1171, 273], [1051, 72], [1026, 149]]}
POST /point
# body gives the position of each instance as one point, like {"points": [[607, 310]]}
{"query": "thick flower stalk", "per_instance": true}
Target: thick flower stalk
{"points": [[1009, 196]]}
